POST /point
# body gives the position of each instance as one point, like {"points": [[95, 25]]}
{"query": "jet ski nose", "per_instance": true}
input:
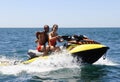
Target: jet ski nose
{"points": [[108, 47]]}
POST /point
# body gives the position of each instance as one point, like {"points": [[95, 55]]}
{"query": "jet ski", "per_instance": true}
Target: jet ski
{"points": [[85, 49], [81, 47]]}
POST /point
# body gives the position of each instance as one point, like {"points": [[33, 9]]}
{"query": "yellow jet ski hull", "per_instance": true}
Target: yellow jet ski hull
{"points": [[89, 53]]}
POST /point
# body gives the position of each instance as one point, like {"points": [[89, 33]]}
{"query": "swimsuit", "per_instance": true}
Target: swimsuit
{"points": [[52, 42], [39, 47]]}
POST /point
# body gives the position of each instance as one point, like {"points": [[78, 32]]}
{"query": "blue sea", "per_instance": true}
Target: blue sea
{"points": [[15, 43]]}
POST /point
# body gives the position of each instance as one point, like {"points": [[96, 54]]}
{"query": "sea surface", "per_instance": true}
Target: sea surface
{"points": [[15, 43]]}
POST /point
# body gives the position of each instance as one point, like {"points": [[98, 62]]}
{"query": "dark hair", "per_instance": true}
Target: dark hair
{"points": [[46, 26]]}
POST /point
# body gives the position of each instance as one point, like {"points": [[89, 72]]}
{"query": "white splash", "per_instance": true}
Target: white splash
{"points": [[53, 62], [106, 61]]}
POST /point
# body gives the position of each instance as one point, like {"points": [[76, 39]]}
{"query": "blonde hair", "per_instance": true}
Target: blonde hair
{"points": [[55, 26]]}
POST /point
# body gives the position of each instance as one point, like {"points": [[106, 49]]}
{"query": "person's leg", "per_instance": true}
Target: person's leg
{"points": [[52, 48], [46, 50], [57, 49], [41, 48]]}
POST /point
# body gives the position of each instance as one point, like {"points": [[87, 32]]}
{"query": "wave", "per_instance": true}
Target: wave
{"points": [[55, 61], [106, 61]]}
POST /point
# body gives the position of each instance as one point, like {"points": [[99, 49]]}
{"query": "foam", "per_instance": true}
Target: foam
{"points": [[54, 62], [106, 61]]}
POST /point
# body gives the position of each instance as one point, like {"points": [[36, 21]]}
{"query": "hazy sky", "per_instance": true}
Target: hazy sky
{"points": [[65, 13]]}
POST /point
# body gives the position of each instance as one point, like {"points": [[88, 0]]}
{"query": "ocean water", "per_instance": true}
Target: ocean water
{"points": [[15, 42]]}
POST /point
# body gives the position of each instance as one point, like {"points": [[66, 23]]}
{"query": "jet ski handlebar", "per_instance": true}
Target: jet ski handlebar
{"points": [[74, 37]]}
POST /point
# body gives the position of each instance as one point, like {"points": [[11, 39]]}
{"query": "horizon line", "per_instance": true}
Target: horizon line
{"points": [[63, 27]]}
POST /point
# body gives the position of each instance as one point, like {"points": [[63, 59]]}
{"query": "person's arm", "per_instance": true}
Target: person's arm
{"points": [[60, 39], [38, 36], [36, 40], [51, 38]]}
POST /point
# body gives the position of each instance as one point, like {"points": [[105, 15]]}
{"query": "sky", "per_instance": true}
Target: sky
{"points": [[65, 13]]}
